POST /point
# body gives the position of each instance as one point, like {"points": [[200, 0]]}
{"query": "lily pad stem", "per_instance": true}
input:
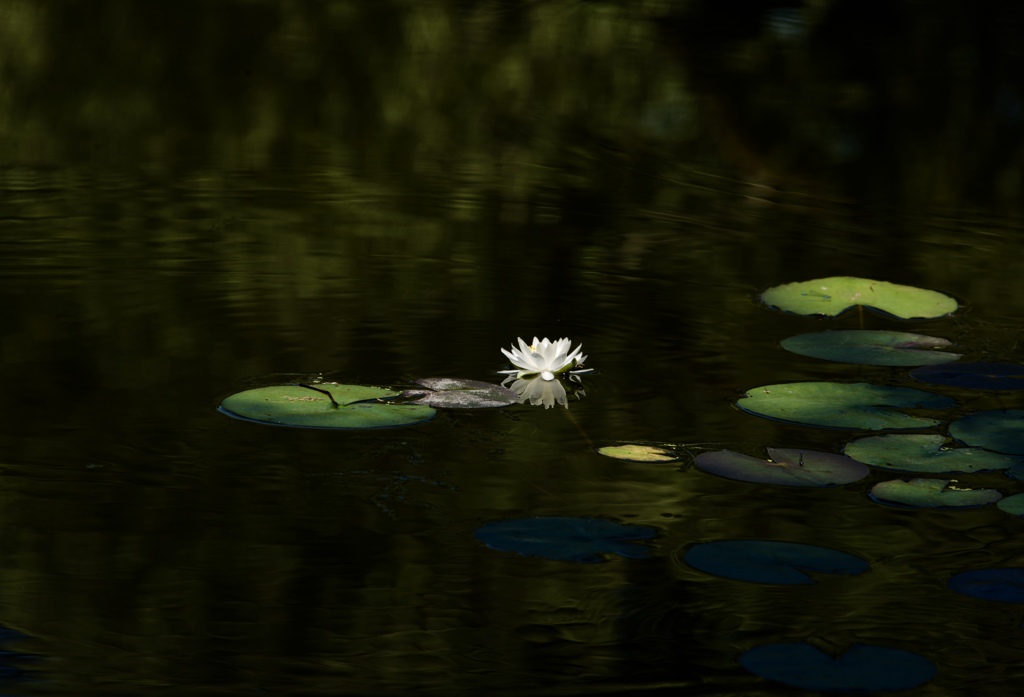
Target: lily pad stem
{"points": [[317, 389]]}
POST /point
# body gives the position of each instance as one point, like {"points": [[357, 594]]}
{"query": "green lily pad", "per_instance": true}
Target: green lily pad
{"points": [[1001, 430], [1014, 505], [834, 296], [310, 407], [870, 347], [932, 493], [973, 376], [638, 452], [456, 393], [922, 452], [842, 405], [785, 466]]}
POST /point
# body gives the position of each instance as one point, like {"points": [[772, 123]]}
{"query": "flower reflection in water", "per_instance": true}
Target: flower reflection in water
{"points": [[537, 390]]}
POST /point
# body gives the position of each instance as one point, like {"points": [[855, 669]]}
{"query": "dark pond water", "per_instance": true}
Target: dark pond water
{"points": [[203, 197]]}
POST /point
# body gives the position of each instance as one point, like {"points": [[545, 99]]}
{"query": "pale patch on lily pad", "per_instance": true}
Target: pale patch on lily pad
{"points": [[862, 668], [566, 539], [323, 405], [768, 561], [638, 452], [973, 376], [456, 393], [785, 466], [1001, 430], [932, 493], [1014, 505], [871, 347], [842, 405], [923, 452], [835, 295]]}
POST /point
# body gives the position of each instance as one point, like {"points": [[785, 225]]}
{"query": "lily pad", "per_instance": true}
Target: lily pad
{"points": [[765, 561], [638, 452], [922, 452], [566, 539], [785, 466], [863, 668], [1014, 505], [870, 347], [455, 393], [837, 294], [1003, 585], [931, 493], [1001, 430], [973, 376], [354, 406], [842, 405]]}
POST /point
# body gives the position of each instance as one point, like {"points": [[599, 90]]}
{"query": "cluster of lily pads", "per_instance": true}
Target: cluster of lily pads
{"points": [[979, 442]]}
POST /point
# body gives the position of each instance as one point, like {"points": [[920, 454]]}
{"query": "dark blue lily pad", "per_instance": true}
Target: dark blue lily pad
{"points": [[974, 376], [765, 561], [1003, 585], [566, 539], [862, 668], [1001, 430]]}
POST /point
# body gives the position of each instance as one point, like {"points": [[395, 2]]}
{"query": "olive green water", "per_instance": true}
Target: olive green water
{"points": [[202, 197]]}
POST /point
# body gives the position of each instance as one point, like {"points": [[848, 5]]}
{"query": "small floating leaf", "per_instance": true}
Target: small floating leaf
{"points": [[1014, 505], [922, 452], [637, 452], [1001, 430], [862, 668], [765, 561], [974, 376], [312, 407], [932, 493], [786, 466], [455, 393], [842, 405], [1003, 585], [566, 539], [869, 347], [835, 295]]}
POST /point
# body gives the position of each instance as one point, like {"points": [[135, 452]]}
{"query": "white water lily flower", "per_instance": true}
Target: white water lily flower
{"points": [[544, 358]]}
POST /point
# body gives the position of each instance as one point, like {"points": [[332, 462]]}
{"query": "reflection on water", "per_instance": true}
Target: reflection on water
{"points": [[385, 192]]}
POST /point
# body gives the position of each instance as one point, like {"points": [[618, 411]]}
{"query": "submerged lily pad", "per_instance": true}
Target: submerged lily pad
{"points": [[566, 539], [455, 393], [1003, 585], [785, 466], [837, 294], [870, 347], [842, 405], [973, 376], [1001, 430], [863, 668], [311, 407], [1014, 505], [932, 493], [638, 452], [922, 452], [765, 561]]}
